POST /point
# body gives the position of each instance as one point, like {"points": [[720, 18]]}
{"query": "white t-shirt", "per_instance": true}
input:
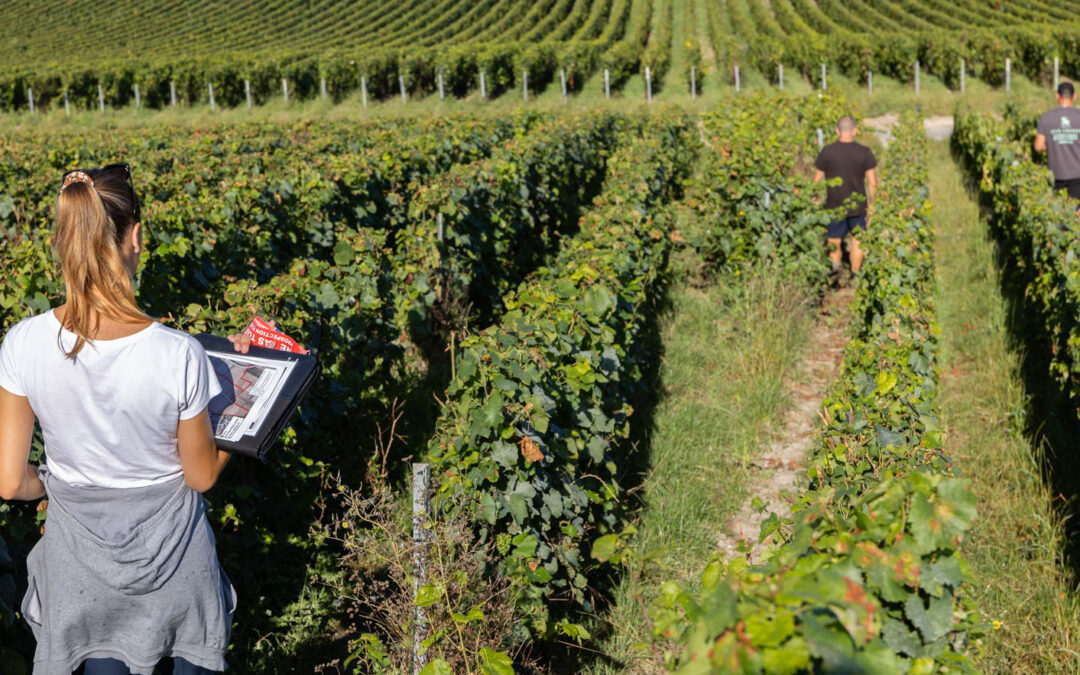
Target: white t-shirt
{"points": [[109, 415]]}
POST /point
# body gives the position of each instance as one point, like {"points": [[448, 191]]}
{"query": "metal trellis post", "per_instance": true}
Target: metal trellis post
{"points": [[421, 480]]}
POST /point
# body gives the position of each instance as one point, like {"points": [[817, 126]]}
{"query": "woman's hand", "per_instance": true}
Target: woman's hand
{"points": [[242, 341]]}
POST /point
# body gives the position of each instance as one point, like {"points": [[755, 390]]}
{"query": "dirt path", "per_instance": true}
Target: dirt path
{"points": [[780, 465], [882, 126], [938, 128]]}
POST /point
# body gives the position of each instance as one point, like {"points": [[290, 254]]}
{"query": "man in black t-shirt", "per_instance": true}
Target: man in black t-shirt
{"points": [[855, 165]]}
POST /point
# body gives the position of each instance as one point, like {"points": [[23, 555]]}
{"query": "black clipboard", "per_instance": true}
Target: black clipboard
{"points": [[299, 380]]}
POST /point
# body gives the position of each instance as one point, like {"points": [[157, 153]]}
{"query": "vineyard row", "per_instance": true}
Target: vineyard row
{"points": [[632, 45], [1036, 226], [866, 575]]}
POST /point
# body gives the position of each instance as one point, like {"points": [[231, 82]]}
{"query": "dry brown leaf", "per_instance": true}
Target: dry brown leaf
{"points": [[530, 450]]}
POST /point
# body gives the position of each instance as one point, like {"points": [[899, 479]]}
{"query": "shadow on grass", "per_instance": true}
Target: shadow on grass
{"points": [[1052, 422]]}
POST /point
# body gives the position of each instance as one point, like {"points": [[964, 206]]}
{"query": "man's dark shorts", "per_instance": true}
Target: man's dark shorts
{"points": [[1070, 186], [838, 229]]}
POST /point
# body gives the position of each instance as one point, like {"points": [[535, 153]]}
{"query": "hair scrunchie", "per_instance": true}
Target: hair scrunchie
{"points": [[77, 177]]}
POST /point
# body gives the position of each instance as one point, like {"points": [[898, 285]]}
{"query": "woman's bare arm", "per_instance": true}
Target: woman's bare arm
{"points": [[200, 458], [18, 478]]}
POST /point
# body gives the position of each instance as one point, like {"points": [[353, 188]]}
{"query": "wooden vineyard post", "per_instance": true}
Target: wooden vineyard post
{"points": [[738, 84], [421, 481], [1008, 74], [247, 92], [30, 98], [101, 99], [824, 80], [483, 86], [607, 83], [401, 83], [916, 78], [285, 89], [780, 76], [820, 138], [648, 84], [525, 85], [210, 86], [172, 93], [322, 87], [562, 77], [138, 99], [963, 75], [67, 104], [442, 92], [870, 82], [1056, 73], [693, 83], [439, 221], [363, 90]]}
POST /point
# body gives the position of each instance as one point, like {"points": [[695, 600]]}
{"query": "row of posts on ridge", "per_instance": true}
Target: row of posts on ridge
{"points": [[870, 76], [364, 93], [525, 86]]}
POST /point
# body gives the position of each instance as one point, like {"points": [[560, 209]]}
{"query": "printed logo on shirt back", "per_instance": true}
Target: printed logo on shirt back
{"points": [[1065, 134]]}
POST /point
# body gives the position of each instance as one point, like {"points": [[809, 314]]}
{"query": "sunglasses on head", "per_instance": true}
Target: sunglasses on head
{"points": [[87, 176]]}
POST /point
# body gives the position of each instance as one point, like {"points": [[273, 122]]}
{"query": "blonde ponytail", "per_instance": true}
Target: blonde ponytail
{"points": [[87, 243]]}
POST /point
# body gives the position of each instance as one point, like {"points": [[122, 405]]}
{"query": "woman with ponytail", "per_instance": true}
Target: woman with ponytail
{"points": [[126, 574]]}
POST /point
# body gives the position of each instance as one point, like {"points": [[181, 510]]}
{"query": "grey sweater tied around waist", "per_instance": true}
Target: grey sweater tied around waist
{"points": [[126, 573]]}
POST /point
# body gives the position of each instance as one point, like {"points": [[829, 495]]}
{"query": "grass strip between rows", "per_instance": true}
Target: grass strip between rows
{"points": [[1018, 547]]}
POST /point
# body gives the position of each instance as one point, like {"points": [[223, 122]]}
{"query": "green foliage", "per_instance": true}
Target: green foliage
{"points": [[147, 47], [889, 49], [534, 427], [756, 193], [500, 216], [866, 576], [276, 193], [416, 41], [657, 54]]}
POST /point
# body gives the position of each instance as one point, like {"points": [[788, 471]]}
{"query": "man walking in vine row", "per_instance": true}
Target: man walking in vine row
{"points": [[854, 164], [1058, 133]]}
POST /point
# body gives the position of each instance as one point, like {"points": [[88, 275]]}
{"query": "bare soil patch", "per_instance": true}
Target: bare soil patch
{"points": [[938, 128], [882, 126]]}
